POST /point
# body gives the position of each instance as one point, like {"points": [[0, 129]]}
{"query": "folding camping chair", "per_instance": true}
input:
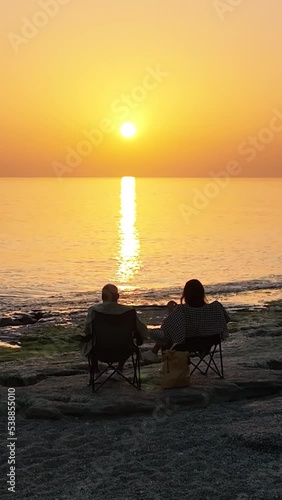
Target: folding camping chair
{"points": [[202, 351], [115, 339]]}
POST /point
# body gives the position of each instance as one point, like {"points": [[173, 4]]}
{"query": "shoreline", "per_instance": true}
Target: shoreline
{"points": [[233, 294], [14, 327]]}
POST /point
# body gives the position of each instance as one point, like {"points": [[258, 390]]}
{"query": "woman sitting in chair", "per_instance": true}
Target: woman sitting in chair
{"points": [[193, 318]]}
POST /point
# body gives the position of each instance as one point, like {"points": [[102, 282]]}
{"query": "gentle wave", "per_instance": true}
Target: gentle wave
{"points": [[274, 283], [260, 290]]}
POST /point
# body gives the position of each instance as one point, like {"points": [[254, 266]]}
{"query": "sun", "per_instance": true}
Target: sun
{"points": [[128, 130]]}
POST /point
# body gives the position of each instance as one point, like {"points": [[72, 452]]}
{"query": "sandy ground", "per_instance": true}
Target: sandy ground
{"points": [[226, 452]]}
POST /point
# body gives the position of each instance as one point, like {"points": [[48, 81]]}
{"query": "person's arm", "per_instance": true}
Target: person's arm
{"points": [[157, 335]]}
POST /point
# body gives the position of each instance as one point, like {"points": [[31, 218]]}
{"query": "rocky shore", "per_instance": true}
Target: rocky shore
{"points": [[47, 355], [216, 440]]}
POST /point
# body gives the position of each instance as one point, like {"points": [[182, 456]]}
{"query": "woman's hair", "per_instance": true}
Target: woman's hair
{"points": [[194, 294]]}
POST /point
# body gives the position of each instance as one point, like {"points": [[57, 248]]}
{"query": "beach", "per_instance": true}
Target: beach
{"points": [[228, 452], [140, 166], [214, 440]]}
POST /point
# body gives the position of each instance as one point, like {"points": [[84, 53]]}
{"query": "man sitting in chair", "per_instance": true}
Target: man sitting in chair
{"points": [[109, 305]]}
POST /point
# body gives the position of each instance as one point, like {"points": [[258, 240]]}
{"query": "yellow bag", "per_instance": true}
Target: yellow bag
{"points": [[175, 369]]}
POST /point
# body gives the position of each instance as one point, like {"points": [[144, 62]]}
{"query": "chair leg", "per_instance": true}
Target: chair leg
{"points": [[196, 365], [134, 370], [210, 364], [139, 371], [216, 369], [109, 365], [221, 360], [136, 382], [89, 369], [91, 373], [211, 355]]}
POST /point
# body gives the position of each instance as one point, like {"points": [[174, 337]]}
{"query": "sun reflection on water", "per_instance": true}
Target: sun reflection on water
{"points": [[129, 246]]}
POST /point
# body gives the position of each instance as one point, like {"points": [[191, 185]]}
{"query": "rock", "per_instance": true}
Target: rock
{"points": [[23, 379], [223, 391], [74, 409], [7, 322], [46, 320], [275, 331], [191, 397], [258, 333], [3, 409], [37, 315], [127, 408], [274, 364], [19, 380], [259, 389], [44, 412], [18, 320], [25, 319]]}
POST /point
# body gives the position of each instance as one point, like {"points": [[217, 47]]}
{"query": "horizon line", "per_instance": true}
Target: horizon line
{"points": [[135, 176]]}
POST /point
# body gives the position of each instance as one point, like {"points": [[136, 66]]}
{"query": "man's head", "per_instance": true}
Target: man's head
{"points": [[110, 293]]}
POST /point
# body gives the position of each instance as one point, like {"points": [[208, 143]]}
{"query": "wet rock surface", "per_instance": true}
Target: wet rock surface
{"points": [[20, 318], [52, 370], [62, 385]]}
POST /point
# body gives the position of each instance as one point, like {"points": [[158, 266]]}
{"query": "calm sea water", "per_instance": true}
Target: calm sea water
{"points": [[62, 240]]}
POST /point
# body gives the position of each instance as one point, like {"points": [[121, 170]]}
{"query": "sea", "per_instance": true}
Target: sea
{"points": [[61, 240]]}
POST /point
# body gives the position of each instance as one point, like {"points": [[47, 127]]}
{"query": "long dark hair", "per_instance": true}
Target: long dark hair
{"points": [[194, 294]]}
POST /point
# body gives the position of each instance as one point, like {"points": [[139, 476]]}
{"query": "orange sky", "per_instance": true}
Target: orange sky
{"points": [[201, 79]]}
